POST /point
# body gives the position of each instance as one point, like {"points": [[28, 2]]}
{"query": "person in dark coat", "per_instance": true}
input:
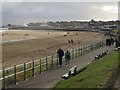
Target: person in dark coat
{"points": [[107, 41], [112, 41], [116, 42], [60, 55], [67, 57], [72, 41]]}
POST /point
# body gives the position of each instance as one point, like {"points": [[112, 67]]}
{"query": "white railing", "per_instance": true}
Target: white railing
{"points": [[23, 71]]}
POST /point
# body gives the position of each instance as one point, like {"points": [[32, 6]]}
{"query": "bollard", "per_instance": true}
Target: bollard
{"points": [[33, 71], [15, 75], [40, 67], [24, 71]]}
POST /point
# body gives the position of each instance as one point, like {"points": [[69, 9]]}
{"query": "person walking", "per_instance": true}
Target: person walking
{"points": [[67, 57], [60, 55]]}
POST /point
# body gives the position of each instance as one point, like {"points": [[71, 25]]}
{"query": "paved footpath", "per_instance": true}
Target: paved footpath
{"points": [[117, 84], [50, 78]]}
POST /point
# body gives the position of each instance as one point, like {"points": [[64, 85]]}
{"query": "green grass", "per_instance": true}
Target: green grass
{"points": [[116, 30], [96, 74]]}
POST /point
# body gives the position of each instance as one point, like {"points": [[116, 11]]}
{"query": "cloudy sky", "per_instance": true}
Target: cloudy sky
{"points": [[24, 12]]}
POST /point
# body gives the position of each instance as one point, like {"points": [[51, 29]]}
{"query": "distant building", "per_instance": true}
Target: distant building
{"points": [[110, 27]]}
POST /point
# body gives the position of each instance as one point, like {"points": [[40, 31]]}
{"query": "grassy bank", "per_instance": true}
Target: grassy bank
{"points": [[95, 76]]}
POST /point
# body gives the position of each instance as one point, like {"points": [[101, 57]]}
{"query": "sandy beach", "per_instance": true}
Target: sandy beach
{"points": [[23, 46]]}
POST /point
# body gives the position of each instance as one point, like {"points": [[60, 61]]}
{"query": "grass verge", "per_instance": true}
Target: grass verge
{"points": [[95, 76]]}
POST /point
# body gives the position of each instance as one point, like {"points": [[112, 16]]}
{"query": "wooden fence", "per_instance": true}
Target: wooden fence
{"points": [[22, 72]]}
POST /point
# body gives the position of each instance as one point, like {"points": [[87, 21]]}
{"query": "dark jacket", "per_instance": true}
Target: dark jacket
{"points": [[67, 55], [60, 53]]}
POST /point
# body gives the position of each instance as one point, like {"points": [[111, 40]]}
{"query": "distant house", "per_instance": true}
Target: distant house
{"points": [[110, 27]]}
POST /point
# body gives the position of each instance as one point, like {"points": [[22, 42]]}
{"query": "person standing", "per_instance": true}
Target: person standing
{"points": [[60, 55], [67, 57]]}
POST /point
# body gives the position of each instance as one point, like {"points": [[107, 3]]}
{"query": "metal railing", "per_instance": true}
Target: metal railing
{"points": [[22, 72]]}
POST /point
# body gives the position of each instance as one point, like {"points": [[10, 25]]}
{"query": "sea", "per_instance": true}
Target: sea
{"points": [[3, 29]]}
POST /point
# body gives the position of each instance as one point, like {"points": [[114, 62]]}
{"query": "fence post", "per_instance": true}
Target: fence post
{"points": [[73, 53], [4, 82], [81, 51], [76, 52], [85, 49], [57, 60], [91, 47], [24, 71], [46, 64], [52, 61], [40, 67], [15, 75], [33, 71]]}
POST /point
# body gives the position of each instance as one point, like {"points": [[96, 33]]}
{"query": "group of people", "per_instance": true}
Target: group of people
{"points": [[61, 53], [70, 41], [110, 42]]}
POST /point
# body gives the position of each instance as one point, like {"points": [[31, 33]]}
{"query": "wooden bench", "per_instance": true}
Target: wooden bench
{"points": [[72, 71], [118, 48], [101, 55]]}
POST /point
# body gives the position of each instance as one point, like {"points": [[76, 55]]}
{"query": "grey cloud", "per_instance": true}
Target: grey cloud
{"points": [[22, 12]]}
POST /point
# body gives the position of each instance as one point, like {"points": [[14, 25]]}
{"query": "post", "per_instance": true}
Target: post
{"points": [[24, 71], [33, 71], [84, 49], [57, 60], [91, 47], [76, 52], [73, 53], [4, 81], [75, 70], [87, 48], [46, 64], [15, 74], [52, 61], [40, 67], [81, 51]]}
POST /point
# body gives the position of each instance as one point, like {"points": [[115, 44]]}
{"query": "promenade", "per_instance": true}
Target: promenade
{"points": [[49, 78]]}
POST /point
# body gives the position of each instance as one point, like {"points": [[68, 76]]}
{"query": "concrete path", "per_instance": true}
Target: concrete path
{"points": [[117, 84], [50, 78]]}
